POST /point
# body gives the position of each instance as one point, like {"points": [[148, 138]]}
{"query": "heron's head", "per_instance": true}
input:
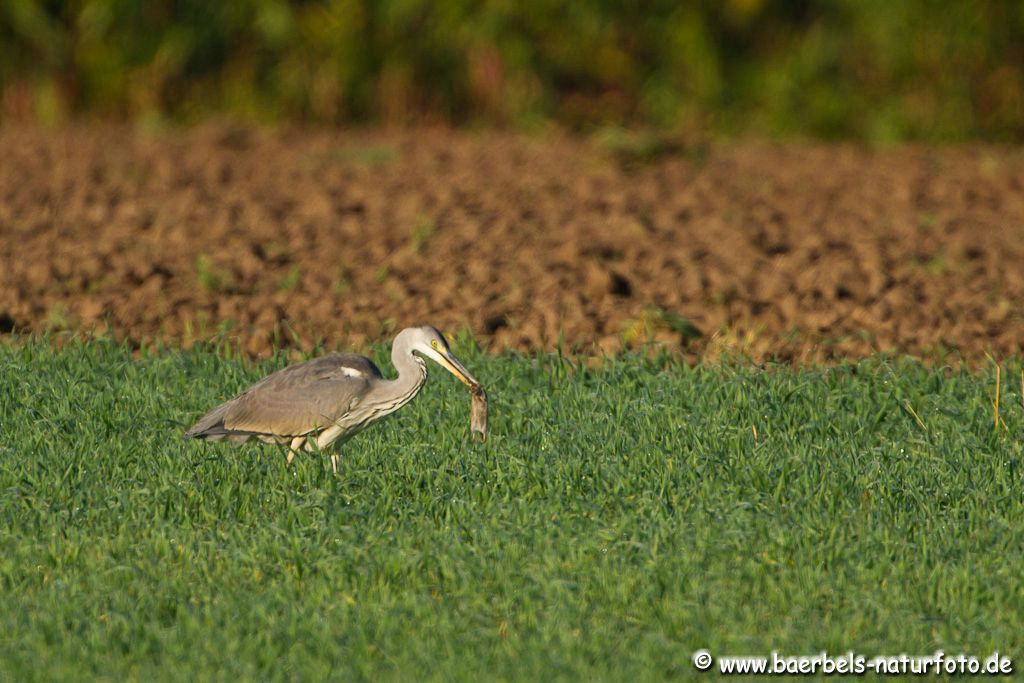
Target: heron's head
{"points": [[430, 343]]}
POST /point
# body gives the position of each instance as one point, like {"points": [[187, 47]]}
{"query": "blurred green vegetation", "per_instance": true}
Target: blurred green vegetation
{"points": [[878, 70]]}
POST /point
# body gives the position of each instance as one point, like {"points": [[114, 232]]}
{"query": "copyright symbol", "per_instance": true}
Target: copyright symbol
{"points": [[702, 660]]}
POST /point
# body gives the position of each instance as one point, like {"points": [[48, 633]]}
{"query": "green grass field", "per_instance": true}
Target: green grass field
{"points": [[615, 521]]}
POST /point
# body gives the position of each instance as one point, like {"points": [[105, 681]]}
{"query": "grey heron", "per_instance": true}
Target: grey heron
{"points": [[318, 402]]}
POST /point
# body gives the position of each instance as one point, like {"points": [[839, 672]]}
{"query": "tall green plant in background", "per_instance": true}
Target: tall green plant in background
{"points": [[869, 69]]}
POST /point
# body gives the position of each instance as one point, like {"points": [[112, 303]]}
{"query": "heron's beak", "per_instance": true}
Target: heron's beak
{"points": [[452, 365]]}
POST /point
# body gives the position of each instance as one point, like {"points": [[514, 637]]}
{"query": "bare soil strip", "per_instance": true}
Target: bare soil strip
{"points": [[796, 252]]}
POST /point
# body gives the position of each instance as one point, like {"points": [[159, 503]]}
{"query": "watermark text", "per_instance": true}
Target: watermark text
{"points": [[852, 663]]}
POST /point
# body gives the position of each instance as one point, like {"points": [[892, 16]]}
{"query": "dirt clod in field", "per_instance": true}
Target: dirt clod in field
{"points": [[796, 252]]}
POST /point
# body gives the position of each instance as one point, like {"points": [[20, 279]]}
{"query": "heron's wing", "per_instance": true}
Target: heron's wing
{"points": [[294, 401]]}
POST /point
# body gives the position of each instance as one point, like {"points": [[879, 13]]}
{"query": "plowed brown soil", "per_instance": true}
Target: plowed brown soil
{"points": [[787, 251]]}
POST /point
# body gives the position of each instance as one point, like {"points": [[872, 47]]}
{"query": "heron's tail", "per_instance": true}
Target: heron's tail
{"points": [[211, 424]]}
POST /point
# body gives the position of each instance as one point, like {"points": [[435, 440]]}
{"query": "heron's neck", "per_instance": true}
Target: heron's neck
{"points": [[412, 373]]}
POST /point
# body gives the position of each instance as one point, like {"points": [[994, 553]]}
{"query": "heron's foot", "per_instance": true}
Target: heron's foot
{"points": [[334, 463]]}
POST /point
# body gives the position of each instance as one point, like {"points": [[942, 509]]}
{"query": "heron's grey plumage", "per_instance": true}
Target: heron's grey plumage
{"points": [[295, 401], [329, 398]]}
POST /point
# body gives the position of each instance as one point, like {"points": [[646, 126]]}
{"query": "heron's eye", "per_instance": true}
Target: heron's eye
{"points": [[433, 342]]}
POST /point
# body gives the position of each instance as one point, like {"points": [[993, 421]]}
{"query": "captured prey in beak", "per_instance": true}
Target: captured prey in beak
{"points": [[440, 353]]}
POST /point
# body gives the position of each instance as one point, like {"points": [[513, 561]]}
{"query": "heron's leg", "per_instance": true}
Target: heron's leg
{"points": [[326, 438], [294, 448]]}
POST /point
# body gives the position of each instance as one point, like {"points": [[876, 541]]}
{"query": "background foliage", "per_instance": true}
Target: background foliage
{"points": [[869, 69]]}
